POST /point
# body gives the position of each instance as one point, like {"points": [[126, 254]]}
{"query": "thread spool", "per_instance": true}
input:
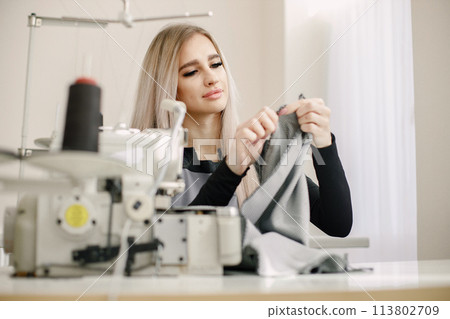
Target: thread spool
{"points": [[83, 116]]}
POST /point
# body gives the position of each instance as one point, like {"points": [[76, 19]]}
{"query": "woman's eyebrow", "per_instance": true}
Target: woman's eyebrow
{"points": [[190, 63], [195, 62], [213, 56]]}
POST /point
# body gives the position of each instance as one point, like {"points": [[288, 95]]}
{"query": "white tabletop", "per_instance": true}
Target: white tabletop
{"points": [[410, 280]]}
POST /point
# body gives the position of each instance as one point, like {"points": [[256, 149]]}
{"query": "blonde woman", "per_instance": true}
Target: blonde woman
{"points": [[185, 62]]}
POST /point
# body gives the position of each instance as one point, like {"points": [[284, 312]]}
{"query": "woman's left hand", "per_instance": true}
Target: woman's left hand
{"points": [[313, 117]]}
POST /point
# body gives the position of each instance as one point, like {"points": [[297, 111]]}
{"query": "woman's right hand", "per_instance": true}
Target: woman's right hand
{"points": [[249, 140]]}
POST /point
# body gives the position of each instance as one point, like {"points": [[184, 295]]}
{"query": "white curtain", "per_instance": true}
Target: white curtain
{"points": [[370, 91]]}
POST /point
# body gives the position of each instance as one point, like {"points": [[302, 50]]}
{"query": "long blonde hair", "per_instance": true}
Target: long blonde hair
{"points": [[159, 80]]}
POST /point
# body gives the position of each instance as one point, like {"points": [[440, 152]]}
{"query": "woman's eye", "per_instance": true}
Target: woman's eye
{"points": [[190, 73], [216, 65]]}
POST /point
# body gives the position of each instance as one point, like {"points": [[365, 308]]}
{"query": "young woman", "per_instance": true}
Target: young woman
{"points": [[185, 63]]}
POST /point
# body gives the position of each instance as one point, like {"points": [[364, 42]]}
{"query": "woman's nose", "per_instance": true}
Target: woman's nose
{"points": [[211, 78]]}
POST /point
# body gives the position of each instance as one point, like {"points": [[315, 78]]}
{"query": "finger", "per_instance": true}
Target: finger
{"points": [[268, 124], [271, 114], [304, 106], [266, 112], [248, 134], [313, 105], [257, 128], [289, 108], [310, 128], [313, 117]]}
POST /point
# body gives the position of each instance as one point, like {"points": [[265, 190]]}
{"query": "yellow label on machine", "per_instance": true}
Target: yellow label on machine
{"points": [[76, 215]]}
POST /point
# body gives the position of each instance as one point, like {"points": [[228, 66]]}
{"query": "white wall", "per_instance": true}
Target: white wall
{"points": [[431, 43]]}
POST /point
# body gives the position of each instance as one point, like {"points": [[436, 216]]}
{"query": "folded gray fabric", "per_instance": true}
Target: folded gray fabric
{"points": [[277, 230]]}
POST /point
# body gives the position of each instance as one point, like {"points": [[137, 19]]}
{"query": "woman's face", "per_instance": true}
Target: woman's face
{"points": [[202, 80]]}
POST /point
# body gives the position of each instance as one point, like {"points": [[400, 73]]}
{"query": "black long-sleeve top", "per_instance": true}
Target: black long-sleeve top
{"points": [[330, 203]]}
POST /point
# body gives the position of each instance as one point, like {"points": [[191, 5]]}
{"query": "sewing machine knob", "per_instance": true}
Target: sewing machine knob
{"points": [[138, 208], [76, 217]]}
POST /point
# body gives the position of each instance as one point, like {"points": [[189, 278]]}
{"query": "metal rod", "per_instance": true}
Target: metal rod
{"points": [[186, 15], [26, 103], [37, 21], [77, 21], [126, 5]]}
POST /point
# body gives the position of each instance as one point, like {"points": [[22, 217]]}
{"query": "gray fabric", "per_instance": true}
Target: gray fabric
{"points": [[277, 233], [281, 204]]}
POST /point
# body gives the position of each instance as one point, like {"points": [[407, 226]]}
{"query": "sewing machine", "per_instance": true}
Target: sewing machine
{"points": [[97, 207]]}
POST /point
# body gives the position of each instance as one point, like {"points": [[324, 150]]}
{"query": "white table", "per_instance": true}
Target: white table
{"points": [[423, 280]]}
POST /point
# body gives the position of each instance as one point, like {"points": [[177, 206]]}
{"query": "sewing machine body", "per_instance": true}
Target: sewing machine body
{"points": [[121, 195], [47, 244]]}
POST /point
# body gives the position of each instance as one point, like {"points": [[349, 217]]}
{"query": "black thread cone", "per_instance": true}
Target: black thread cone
{"points": [[82, 118]]}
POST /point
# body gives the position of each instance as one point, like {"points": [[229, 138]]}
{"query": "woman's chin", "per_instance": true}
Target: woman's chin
{"points": [[208, 107]]}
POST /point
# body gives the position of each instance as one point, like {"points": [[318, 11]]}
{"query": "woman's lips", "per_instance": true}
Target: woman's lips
{"points": [[213, 94]]}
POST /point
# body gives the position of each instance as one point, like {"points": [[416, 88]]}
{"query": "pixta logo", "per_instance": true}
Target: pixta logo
{"points": [[148, 151]]}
